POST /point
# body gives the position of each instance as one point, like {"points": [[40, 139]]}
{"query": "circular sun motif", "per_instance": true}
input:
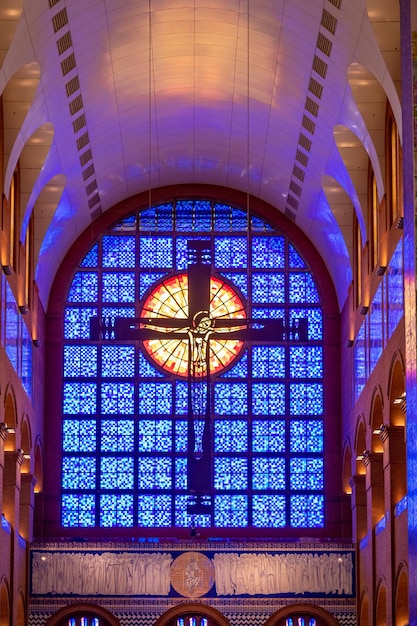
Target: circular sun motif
{"points": [[169, 301]]}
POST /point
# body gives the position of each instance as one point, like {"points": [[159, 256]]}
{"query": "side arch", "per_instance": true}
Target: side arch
{"points": [[360, 443], [10, 417], [79, 609], [193, 608], [396, 391], [381, 603], [376, 419], [401, 596], [363, 609], [324, 617], [347, 468], [4, 602]]}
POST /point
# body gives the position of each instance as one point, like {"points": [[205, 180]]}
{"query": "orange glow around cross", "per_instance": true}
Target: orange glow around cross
{"points": [[169, 299]]}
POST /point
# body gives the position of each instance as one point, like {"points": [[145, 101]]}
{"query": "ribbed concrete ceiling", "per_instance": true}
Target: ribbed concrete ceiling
{"points": [[282, 99]]}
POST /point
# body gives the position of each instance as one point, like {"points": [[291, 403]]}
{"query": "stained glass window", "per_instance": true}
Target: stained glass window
{"points": [[193, 380], [395, 288]]}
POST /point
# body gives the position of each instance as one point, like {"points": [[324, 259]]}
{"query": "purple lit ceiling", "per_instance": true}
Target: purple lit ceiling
{"points": [[282, 99]]}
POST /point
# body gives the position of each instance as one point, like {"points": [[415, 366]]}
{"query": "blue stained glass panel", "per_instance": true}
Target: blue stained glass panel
{"points": [[79, 435], [184, 519], [239, 280], [360, 360], [11, 327], [147, 280], [294, 259], [78, 510], [111, 312], [181, 250], [26, 363], [181, 253], [118, 287], [154, 510], [268, 361], [306, 399], [154, 472], [118, 361], [268, 313], [230, 436], [79, 472], [307, 511], [147, 219], [306, 436], [155, 398], [181, 473], [268, 436], [146, 369], [230, 399], [222, 217], [181, 436], [79, 398], [268, 252], [268, 399], [202, 216], [155, 436], [269, 511], [231, 511], [84, 287], [119, 251], [80, 361], [181, 398], [315, 321], [117, 398], [376, 328], [258, 224], [116, 472], [158, 218], [155, 252], [268, 288], [77, 322], [306, 362], [164, 217], [306, 473], [239, 220], [91, 258], [302, 289], [268, 473], [230, 473], [184, 215], [395, 289], [116, 510], [230, 252], [117, 435]]}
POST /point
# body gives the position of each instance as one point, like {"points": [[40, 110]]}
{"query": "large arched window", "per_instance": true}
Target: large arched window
{"points": [[193, 386]]}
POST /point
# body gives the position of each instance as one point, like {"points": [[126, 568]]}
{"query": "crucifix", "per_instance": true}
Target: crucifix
{"points": [[200, 328]]}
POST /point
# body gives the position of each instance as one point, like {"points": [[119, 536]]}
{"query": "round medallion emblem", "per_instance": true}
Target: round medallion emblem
{"points": [[192, 574]]}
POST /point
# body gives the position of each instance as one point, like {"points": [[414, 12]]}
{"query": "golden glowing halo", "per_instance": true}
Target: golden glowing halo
{"points": [[169, 300]]}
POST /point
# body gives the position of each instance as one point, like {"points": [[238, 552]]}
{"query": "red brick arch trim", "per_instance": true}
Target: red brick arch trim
{"points": [[326, 618], [196, 608], [78, 609]]}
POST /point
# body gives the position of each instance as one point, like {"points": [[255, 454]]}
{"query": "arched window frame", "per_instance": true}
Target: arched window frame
{"points": [[393, 170], [373, 218], [357, 262], [54, 382]]}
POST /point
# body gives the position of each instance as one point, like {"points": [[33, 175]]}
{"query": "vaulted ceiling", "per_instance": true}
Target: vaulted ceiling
{"points": [[281, 99]]}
